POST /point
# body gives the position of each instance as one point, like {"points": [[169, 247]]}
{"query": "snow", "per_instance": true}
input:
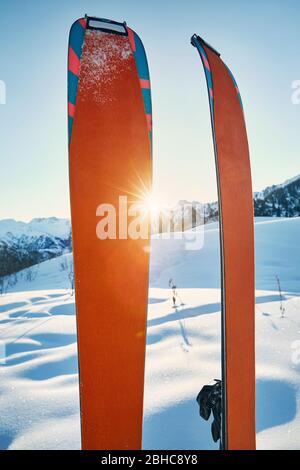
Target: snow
{"points": [[39, 379], [47, 275], [109, 59], [277, 249], [52, 226]]}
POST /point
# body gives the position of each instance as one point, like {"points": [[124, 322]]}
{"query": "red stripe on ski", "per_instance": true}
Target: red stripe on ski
{"points": [[145, 83], [74, 62], [71, 109], [131, 39], [205, 61], [82, 21], [149, 121]]}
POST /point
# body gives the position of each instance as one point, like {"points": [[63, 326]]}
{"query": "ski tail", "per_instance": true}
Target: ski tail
{"points": [[237, 249]]}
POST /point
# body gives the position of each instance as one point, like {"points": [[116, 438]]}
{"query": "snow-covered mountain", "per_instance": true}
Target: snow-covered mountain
{"points": [[24, 244], [180, 217], [282, 200]]}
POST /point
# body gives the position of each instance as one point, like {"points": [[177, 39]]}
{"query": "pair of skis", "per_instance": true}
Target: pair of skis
{"points": [[110, 134]]}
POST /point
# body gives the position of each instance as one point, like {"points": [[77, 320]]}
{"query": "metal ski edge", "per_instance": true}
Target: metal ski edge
{"points": [[197, 41], [73, 96]]}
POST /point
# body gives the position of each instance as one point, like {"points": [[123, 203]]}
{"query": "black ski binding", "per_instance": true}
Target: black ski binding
{"points": [[209, 400]]}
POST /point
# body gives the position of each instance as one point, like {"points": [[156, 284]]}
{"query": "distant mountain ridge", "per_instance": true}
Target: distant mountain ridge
{"points": [[24, 244], [282, 200]]}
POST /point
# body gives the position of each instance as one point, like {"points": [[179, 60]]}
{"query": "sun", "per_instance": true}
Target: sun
{"points": [[152, 205]]}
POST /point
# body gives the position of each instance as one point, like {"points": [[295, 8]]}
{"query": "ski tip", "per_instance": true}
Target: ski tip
{"points": [[195, 38]]}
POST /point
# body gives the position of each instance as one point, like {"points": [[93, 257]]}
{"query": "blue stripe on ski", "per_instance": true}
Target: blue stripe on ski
{"points": [[72, 87], [147, 100], [143, 73], [77, 33], [76, 40]]}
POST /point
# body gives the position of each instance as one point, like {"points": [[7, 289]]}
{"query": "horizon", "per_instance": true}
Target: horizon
{"points": [[68, 216], [160, 208], [34, 151]]}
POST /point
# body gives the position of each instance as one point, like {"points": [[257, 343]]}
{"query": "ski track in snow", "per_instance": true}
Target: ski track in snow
{"points": [[39, 378]]}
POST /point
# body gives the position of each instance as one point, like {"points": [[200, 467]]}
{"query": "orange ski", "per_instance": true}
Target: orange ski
{"points": [[110, 156], [237, 251]]}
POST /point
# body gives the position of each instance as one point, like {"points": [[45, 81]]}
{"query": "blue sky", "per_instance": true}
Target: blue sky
{"points": [[259, 40]]}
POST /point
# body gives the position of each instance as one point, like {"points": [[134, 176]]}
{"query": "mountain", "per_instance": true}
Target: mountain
{"points": [[282, 200], [183, 216], [25, 244]]}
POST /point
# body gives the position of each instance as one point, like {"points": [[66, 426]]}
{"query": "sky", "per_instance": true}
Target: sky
{"points": [[259, 41]]}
